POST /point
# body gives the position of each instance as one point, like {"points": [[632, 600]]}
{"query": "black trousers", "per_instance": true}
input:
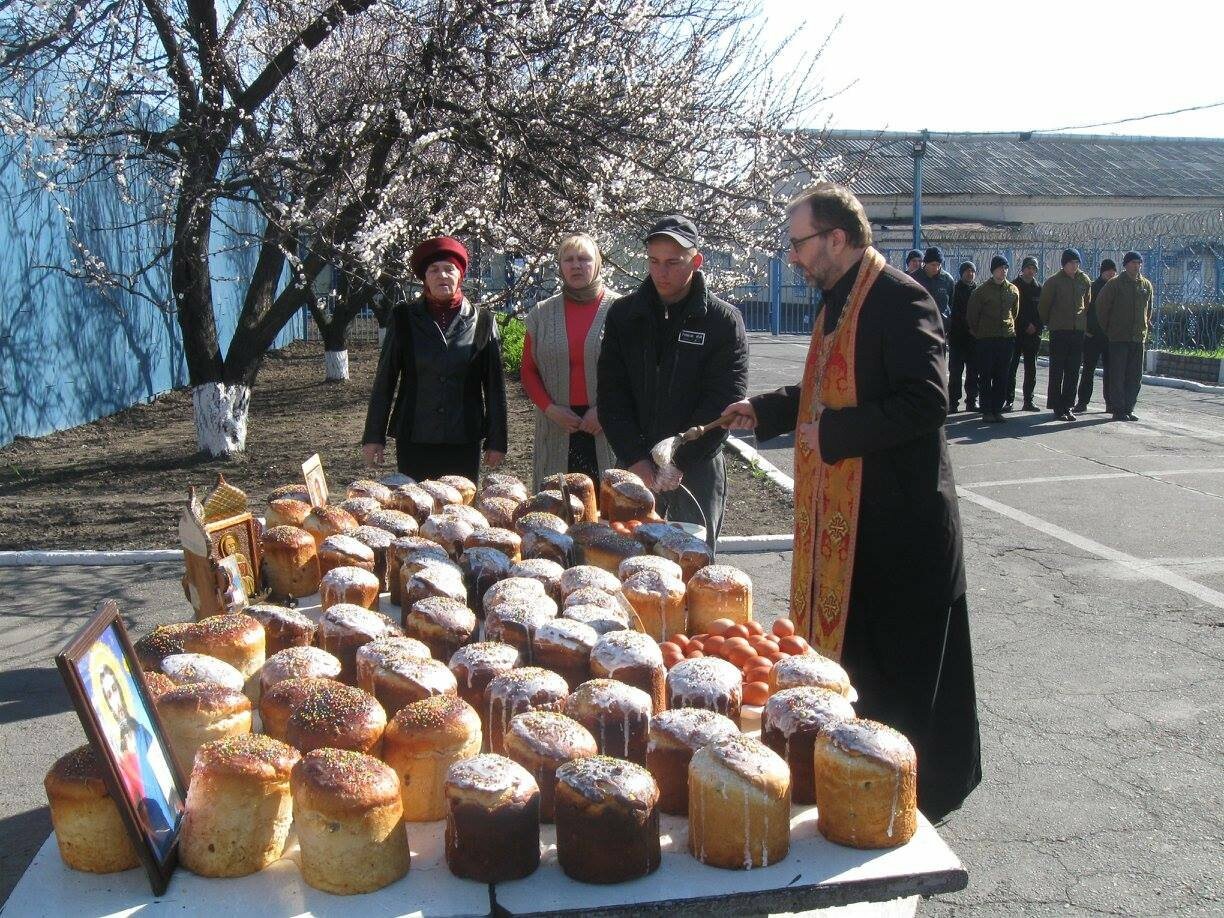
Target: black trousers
{"points": [[1026, 348], [582, 455], [1066, 353], [423, 461], [994, 357], [707, 501], [1096, 350], [1125, 375], [961, 362], [919, 679]]}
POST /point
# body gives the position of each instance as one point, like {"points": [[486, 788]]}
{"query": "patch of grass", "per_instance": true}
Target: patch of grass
{"points": [[513, 330], [1217, 354], [757, 470]]}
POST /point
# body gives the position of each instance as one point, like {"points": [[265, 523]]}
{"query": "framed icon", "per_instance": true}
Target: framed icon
{"points": [[316, 481], [104, 679]]}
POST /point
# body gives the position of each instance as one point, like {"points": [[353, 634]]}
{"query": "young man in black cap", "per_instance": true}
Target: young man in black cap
{"points": [[913, 262], [1125, 311], [938, 283], [991, 318], [1096, 347], [673, 356], [960, 343], [1028, 335], [1064, 308]]}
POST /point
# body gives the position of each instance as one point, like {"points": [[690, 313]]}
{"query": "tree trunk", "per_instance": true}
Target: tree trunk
{"points": [[221, 417], [337, 365]]}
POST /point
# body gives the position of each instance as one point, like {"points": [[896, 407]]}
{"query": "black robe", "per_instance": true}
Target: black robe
{"points": [[907, 646]]}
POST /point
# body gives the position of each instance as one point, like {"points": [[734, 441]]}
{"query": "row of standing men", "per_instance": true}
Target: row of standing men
{"points": [[992, 326]]}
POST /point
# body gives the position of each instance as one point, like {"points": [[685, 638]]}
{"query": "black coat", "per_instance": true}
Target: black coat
{"points": [[660, 376], [958, 331], [432, 387], [1030, 295], [907, 643]]}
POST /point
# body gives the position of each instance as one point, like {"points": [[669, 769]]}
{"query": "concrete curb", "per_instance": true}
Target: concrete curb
{"points": [[1164, 382], [745, 545], [86, 558], [772, 472]]}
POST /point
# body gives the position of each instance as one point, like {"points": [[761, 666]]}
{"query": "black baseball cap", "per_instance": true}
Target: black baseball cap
{"points": [[679, 228]]}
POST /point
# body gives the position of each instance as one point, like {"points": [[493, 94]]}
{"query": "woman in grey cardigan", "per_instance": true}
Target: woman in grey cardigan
{"points": [[560, 355]]}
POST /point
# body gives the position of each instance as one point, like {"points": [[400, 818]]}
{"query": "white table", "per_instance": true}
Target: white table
{"points": [[430, 889]]}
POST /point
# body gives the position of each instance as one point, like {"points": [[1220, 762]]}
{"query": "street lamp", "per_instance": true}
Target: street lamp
{"points": [[918, 151]]}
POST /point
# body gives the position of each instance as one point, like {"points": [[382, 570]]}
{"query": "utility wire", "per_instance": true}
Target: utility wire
{"points": [[1178, 111]]}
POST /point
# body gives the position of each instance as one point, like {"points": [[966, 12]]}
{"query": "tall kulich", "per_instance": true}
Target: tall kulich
{"points": [[607, 820], [492, 820]]}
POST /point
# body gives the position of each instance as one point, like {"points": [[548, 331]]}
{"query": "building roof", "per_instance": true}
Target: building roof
{"points": [[1026, 164]]}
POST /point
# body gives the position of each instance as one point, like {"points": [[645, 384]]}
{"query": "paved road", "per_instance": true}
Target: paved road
{"points": [[1096, 566]]}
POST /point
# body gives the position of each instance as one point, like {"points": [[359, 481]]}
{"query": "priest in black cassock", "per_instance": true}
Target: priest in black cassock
{"points": [[878, 578]]}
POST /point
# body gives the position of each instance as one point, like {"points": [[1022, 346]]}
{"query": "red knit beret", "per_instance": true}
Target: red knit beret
{"points": [[440, 248]]}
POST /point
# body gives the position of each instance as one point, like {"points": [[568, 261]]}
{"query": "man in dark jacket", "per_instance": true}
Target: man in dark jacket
{"points": [[913, 262], [960, 343], [673, 356], [938, 283], [1096, 348], [1028, 335], [878, 574]]}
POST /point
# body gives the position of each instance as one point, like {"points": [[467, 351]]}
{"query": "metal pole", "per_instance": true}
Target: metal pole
{"points": [[918, 152], [775, 295]]}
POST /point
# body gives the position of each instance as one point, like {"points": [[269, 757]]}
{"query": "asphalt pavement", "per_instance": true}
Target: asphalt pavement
{"points": [[1095, 554]]}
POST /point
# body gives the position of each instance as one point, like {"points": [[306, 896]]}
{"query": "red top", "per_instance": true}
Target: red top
{"points": [[578, 320]]}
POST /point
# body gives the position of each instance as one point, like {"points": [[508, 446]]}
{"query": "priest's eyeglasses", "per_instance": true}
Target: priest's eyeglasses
{"points": [[795, 243]]}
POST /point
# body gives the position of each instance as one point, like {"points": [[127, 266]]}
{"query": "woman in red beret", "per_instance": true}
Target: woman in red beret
{"points": [[439, 389]]}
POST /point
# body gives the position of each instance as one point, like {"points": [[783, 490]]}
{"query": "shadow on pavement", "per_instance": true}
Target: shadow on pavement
{"points": [[968, 427], [28, 693]]}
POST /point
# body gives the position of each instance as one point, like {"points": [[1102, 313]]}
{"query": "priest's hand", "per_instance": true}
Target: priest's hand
{"points": [[743, 415], [493, 458], [645, 470], [372, 453]]}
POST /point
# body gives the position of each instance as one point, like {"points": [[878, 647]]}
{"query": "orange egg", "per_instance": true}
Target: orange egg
{"points": [[739, 655], [736, 631], [699, 637], [767, 646], [695, 644], [755, 673], [720, 625], [754, 628], [679, 640], [693, 654], [776, 656], [671, 647], [783, 627], [756, 692], [714, 644], [756, 661], [792, 645], [736, 642]]}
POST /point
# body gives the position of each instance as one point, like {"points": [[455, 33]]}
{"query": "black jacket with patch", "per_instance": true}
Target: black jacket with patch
{"points": [[664, 371]]}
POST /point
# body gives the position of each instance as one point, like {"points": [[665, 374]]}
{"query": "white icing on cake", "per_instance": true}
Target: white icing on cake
{"points": [[348, 546], [705, 682], [344, 616], [347, 578], [599, 778], [492, 774], [804, 708], [587, 576], [488, 655], [446, 613], [300, 663], [721, 577], [619, 649], [568, 634], [811, 669], [638, 563], [693, 727], [191, 668]]}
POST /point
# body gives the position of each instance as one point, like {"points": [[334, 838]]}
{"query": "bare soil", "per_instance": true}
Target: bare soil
{"points": [[121, 482]]}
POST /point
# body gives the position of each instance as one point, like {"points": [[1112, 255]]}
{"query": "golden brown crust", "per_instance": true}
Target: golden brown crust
{"points": [[342, 783], [286, 511], [289, 538], [202, 698], [437, 722], [157, 684], [337, 716], [76, 775], [250, 755]]}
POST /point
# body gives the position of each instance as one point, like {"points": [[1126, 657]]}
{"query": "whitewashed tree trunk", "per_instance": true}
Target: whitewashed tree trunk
{"points": [[337, 365], [382, 334], [221, 417]]}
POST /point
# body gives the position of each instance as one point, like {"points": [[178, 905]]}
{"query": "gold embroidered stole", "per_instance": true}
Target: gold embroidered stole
{"points": [[827, 497]]}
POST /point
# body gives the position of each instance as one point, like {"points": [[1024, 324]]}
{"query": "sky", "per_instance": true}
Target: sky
{"points": [[984, 66]]}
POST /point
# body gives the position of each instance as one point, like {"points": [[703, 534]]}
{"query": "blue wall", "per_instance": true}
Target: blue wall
{"points": [[68, 355]]}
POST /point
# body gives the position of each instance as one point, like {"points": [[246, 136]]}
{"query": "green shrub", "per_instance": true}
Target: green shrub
{"points": [[512, 330]]}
